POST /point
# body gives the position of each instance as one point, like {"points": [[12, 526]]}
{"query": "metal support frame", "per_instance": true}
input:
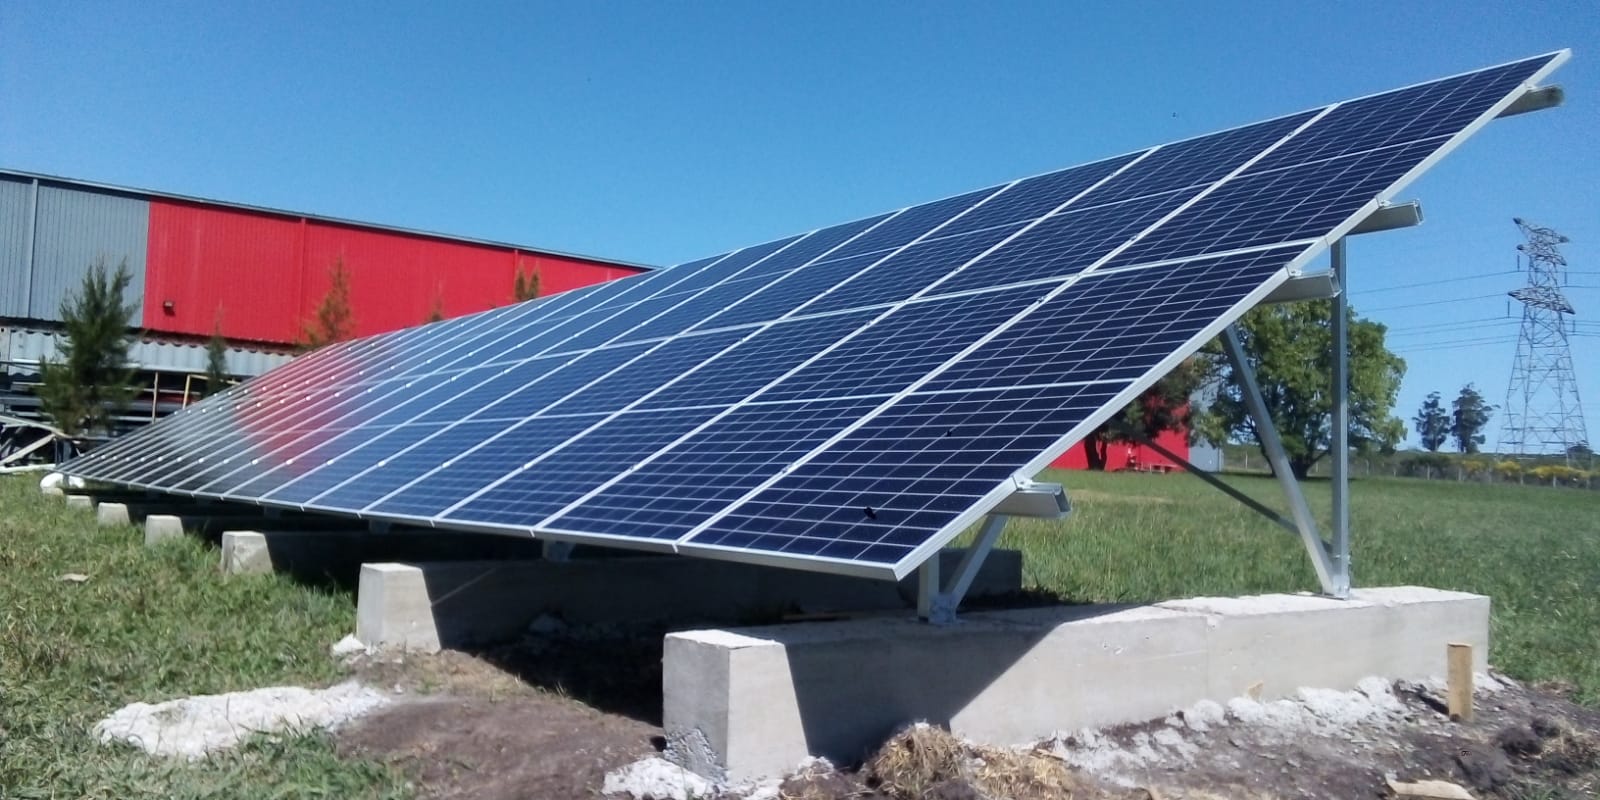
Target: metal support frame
{"points": [[937, 601], [1332, 582], [1339, 440]]}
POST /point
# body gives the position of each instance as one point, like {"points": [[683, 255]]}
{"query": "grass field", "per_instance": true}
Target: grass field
{"points": [[150, 625], [154, 624], [1534, 550]]}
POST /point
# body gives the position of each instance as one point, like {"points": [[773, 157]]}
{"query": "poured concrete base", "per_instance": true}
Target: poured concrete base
{"points": [[426, 606], [750, 703], [245, 553], [111, 515]]}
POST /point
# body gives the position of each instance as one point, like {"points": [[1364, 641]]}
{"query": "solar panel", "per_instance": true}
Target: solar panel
{"points": [[846, 400]]}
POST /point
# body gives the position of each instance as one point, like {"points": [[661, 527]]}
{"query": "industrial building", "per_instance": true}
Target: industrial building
{"points": [[254, 274]]}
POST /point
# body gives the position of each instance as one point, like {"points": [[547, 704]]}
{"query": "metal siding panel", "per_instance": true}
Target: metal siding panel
{"points": [[395, 278], [27, 346], [16, 228], [76, 228], [219, 264]]}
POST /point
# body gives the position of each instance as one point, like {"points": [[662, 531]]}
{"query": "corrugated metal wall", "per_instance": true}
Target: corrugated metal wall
{"points": [[16, 237], [24, 347], [258, 273], [220, 265], [72, 230], [262, 274]]}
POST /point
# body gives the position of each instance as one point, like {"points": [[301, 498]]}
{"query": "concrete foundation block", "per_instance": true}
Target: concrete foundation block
{"points": [[393, 608], [82, 501], [52, 491], [112, 515], [469, 602], [245, 553], [749, 703], [161, 527], [1284, 642]]}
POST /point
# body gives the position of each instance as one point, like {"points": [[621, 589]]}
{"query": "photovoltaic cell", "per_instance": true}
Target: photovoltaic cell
{"points": [[844, 400]]}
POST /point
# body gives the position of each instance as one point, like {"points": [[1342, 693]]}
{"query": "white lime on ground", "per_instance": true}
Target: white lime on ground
{"points": [[656, 779], [192, 727]]}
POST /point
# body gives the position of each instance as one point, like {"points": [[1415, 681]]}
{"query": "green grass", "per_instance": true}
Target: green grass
{"points": [[150, 625], [156, 624], [1534, 550]]}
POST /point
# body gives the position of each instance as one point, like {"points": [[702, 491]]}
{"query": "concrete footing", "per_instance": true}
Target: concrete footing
{"points": [[82, 501], [161, 527], [52, 491], [429, 605], [750, 703], [112, 515], [245, 553]]}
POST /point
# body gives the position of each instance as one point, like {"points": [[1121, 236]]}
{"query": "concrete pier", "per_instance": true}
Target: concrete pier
{"points": [[424, 606], [111, 515], [749, 703], [245, 553]]}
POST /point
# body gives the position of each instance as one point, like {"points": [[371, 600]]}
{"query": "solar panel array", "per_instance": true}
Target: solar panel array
{"points": [[845, 400]]}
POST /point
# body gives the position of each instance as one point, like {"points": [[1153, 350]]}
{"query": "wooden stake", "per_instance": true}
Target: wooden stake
{"points": [[1458, 681]]}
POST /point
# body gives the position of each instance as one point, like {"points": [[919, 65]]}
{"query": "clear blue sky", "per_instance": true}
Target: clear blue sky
{"points": [[659, 132]]}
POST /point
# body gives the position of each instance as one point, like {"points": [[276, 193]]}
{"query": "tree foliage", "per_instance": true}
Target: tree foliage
{"points": [[1163, 407], [525, 286], [334, 321], [92, 382], [1290, 348], [216, 359], [436, 309], [1469, 416], [1433, 424]]}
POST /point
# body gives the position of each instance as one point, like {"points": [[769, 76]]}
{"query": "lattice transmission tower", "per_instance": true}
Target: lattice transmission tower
{"points": [[1542, 413]]}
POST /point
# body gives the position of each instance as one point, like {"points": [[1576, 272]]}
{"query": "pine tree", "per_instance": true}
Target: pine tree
{"points": [[216, 359], [1433, 424], [333, 321], [436, 310], [1470, 415], [92, 382], [525, 287]]}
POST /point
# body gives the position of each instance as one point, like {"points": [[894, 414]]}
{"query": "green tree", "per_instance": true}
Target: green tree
{"points": [[1469, 417], [333, 321], [92, 382], [436, 309], [525, 286], [216, 359], [1433, 424], [1289, 346], [1163, 407]]}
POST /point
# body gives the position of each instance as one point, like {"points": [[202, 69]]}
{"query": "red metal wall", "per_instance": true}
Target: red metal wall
{"points": [[263, 274], [1118, 454]]}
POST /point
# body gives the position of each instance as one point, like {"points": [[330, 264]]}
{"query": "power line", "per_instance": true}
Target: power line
{"points": [[1435, 302], [1458, 327], [1503, 337], [1436, 282], [1450, 323], [1462, 345]]}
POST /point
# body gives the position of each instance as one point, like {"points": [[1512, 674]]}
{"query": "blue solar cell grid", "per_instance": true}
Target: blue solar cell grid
{"points": [[843, 400]]}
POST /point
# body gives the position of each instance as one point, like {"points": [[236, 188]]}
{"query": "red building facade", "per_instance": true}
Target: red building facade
{"points": [[259, 275]]}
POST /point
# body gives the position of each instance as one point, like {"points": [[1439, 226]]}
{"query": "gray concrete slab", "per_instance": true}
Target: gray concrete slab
{"points": [[426, 605], [82, 501], [749, 703]]}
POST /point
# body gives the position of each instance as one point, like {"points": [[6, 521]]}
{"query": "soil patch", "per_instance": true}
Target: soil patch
{"points": [[535, 745], [523, 721]]}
